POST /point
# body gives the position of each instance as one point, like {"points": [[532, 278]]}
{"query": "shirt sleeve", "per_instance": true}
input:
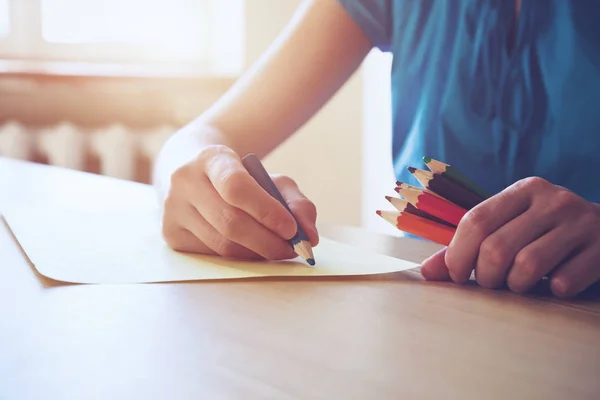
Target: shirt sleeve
{"points": [[375, 19]]}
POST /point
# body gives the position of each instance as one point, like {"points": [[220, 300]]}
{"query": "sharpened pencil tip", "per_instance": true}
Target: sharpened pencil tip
{"points": [[310, 261], [398, 183], [426, 160], [412, 170], [397, 189], [378, 212], [388, 198]]}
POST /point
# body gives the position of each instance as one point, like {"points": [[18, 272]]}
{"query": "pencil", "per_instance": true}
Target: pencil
{"points": [[454, 174], [402, 185], [403, 205], [446, 188], [433, 205], [418, 226], [300, 242]]}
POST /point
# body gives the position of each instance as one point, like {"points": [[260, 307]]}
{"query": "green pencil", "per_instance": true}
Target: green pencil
{"points": [[438, 167]]}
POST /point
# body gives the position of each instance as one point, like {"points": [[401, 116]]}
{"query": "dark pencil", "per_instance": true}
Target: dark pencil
{"points": [[446, 188], [454, 174], [300, 242]]}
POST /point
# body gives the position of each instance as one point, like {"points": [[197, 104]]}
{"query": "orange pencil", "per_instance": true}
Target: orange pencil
{"points": [[418, 226], [433, 205]]}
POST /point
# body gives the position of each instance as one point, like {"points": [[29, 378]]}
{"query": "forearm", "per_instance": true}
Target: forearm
{"points": [[295, 77]]}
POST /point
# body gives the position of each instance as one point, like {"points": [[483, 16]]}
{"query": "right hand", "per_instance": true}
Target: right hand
{"points": [[214, 206]]}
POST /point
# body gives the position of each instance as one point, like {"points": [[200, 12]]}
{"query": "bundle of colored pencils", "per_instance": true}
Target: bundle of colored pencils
{"points": [[433, 211]]}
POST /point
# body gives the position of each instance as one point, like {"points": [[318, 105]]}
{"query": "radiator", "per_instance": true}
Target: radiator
{"points": [[114, 150]]}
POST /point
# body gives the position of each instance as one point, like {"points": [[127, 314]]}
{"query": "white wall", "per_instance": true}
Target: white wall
{"points": [[378, 171]]}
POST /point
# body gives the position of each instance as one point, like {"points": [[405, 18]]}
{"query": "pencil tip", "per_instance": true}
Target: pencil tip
{"points": [[378, 212], [310, 261], [412, 170], [397, 189], [398, 183], [426, 160], [388, 198]]}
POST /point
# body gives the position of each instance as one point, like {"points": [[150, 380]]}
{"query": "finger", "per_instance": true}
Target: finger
{"points": [[235, 225], [180, 239], [185, 241], [498, 250], [540, 257], [576, 274], [217, 243], [477, 224], [434, 268], [237, 187], [303, 209]]}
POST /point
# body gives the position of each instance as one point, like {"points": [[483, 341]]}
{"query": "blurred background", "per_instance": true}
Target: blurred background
{"points": [[98, 86]]}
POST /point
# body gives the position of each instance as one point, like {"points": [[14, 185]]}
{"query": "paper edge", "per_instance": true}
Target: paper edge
{"points": [[258, 276]]}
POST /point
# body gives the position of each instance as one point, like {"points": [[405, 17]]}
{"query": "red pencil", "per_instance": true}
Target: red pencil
{"points": [[433, 205], [415, 225]]}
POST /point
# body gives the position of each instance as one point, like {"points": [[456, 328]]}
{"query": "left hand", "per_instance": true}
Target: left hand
{"points": [[530, 230]]}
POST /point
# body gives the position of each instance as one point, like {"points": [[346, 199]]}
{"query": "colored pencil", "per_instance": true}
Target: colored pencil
{"points": [[454, 174], [446, 188], [415, 225], [433, 205], [403, 205], [300, 242], [402, 185]]}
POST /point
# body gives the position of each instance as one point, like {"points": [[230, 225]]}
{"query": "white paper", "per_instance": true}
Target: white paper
{"points": [[126, 246]]}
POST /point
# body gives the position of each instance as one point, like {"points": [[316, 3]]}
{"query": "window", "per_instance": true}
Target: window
{"points": [[207, 34], [4, 21]]}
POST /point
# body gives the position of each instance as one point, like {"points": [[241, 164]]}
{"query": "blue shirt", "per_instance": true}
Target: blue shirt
{"points": [[501, 98]]}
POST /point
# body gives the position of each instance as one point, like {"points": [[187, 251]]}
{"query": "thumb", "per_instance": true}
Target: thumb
{"points": [[434, 268]]}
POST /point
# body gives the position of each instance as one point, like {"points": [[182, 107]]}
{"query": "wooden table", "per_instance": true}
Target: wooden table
{"points": [[383, 337]]}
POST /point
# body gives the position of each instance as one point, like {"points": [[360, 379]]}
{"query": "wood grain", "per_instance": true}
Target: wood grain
{"points": [[381, 337]]}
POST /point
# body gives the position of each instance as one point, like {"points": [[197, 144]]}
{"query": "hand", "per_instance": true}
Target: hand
{"points": [[530, 230], [214, 206]]}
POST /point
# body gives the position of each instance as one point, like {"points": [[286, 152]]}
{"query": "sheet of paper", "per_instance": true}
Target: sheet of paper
{"points": [[125, 246]]}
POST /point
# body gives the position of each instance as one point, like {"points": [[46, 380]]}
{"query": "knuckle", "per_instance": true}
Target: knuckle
{"points": [[224, 247], [496, 251], [180, 176], [232, 189], [533, 183], [171, 235], [589, 213], [476, 219], [528, 265], [564, 199], [229, 222], [170, 203]]}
